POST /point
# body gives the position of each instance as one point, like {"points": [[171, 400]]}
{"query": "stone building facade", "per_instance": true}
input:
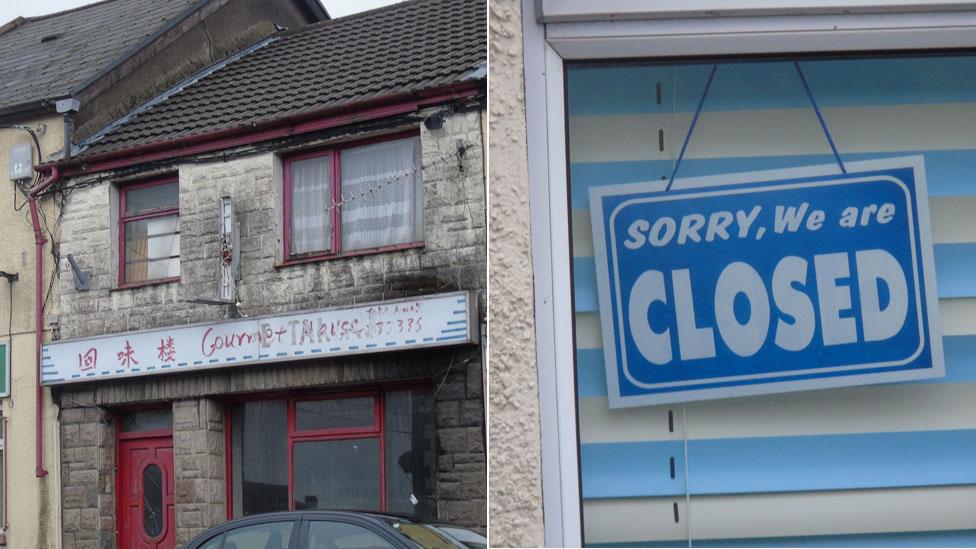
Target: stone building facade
{"points": [[452, 258]]}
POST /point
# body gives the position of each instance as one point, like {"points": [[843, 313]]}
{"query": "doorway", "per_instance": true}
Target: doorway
{"points": [[145, 506]]}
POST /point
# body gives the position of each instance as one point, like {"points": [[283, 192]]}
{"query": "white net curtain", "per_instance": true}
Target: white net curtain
{"points": [[381, 198], [385, 180], [311, 194]]}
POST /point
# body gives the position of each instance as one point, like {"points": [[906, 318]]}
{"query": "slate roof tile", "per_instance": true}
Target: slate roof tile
{"points": [[88, 40], [403, 48]]}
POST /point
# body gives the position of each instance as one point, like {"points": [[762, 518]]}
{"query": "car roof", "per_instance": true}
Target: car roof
{"points": [[370, 516]]}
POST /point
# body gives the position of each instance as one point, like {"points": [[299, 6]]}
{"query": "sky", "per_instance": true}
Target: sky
{"points": [[10, 10]]}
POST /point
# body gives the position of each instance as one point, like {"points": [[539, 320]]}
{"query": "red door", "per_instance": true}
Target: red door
{"points": [[145, 482]]}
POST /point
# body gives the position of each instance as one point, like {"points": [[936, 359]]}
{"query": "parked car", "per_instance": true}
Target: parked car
{"points": [[335, 530]]}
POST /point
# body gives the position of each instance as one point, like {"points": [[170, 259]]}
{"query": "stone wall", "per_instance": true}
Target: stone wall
{"points": [[452, 258], [87, 476], [88, 435], [199, 464]]}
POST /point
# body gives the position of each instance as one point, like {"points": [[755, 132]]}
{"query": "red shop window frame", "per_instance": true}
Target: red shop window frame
{"points": [[377, 430], [123, 219], [335, 154]]}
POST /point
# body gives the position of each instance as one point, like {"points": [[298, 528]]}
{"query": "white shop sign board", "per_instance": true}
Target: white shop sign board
{"points": [[425, 321]]}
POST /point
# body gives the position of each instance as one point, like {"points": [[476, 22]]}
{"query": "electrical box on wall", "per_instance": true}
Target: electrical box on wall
{"points": [[21, 162]]}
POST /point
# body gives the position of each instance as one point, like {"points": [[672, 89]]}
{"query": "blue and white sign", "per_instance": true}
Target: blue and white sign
{"points": [[766, 282]]}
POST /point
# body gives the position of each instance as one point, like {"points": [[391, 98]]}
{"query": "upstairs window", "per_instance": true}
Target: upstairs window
{"points": [[353, 199], [150, 232]]}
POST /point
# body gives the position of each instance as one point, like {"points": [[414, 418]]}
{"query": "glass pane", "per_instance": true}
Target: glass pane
{"points": [[148, 420], [259, 453], [779, 469], [381, 190], [424, 535], [272, 535], [152, 249], [212, 543], [471, 540], [410, 453], [342, 535], [337, 474], [156, 197], [336, 413], [311, 202], [152, 500]]}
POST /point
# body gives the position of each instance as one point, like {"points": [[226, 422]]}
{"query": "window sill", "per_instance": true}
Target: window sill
{"points": [[357, 253], [157, 282]]}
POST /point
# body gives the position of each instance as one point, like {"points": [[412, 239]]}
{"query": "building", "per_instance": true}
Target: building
{"points": [[63, 77], [255, 338], [714, 388]]}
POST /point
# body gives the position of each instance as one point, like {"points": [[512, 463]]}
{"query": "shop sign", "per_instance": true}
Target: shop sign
{"points": [[766, 282], [424, 321]]}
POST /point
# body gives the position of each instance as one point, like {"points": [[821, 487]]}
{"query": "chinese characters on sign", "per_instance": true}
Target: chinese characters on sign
{"points": [[425, 321]]}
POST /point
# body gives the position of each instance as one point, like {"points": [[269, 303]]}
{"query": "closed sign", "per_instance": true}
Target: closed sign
{"points": [[766, 282]]}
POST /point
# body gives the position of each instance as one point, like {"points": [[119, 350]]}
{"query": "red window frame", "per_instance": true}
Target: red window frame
{"points": [[123, 219], [335, 153], [373, 431], [377, 430]]}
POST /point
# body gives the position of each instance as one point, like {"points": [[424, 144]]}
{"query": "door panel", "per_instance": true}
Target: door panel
{"points": [[147, 513]]}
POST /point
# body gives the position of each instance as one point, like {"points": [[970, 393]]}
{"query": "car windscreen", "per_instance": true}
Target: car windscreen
{"points": [[436, 536]]}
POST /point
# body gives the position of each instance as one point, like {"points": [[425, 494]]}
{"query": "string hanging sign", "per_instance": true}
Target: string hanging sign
{"points": [[765, 282]]}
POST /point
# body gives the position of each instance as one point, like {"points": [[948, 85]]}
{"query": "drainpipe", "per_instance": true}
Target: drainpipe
{"points": [[53, 176]]}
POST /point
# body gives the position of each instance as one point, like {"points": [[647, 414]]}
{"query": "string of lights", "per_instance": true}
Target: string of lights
{"points": [[438, 162]]}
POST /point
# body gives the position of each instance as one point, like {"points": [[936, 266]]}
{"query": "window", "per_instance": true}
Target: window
{"points": [[353, 199], [150, 233], [368, 451], [153, 512], [146, 420], [342, 535], [271, 535], [677, 474]]}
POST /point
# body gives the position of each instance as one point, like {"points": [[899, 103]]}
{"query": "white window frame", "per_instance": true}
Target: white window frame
{"points": [[546, 48]]}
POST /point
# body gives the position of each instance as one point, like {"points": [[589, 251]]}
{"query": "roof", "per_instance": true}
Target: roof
{"points": [[47, 57], [401, 49]]}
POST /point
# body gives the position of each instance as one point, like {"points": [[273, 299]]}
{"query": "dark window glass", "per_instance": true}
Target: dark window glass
{"points": [[270, 535], [148, 420], [152, 500], [259, 438], [342, 535], [337, 474], [156, 197], [336, 413], [410, 453]]}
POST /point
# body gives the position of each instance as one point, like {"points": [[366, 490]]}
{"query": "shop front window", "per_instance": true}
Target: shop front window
{"points": [[873, 463], [334, 452]]}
